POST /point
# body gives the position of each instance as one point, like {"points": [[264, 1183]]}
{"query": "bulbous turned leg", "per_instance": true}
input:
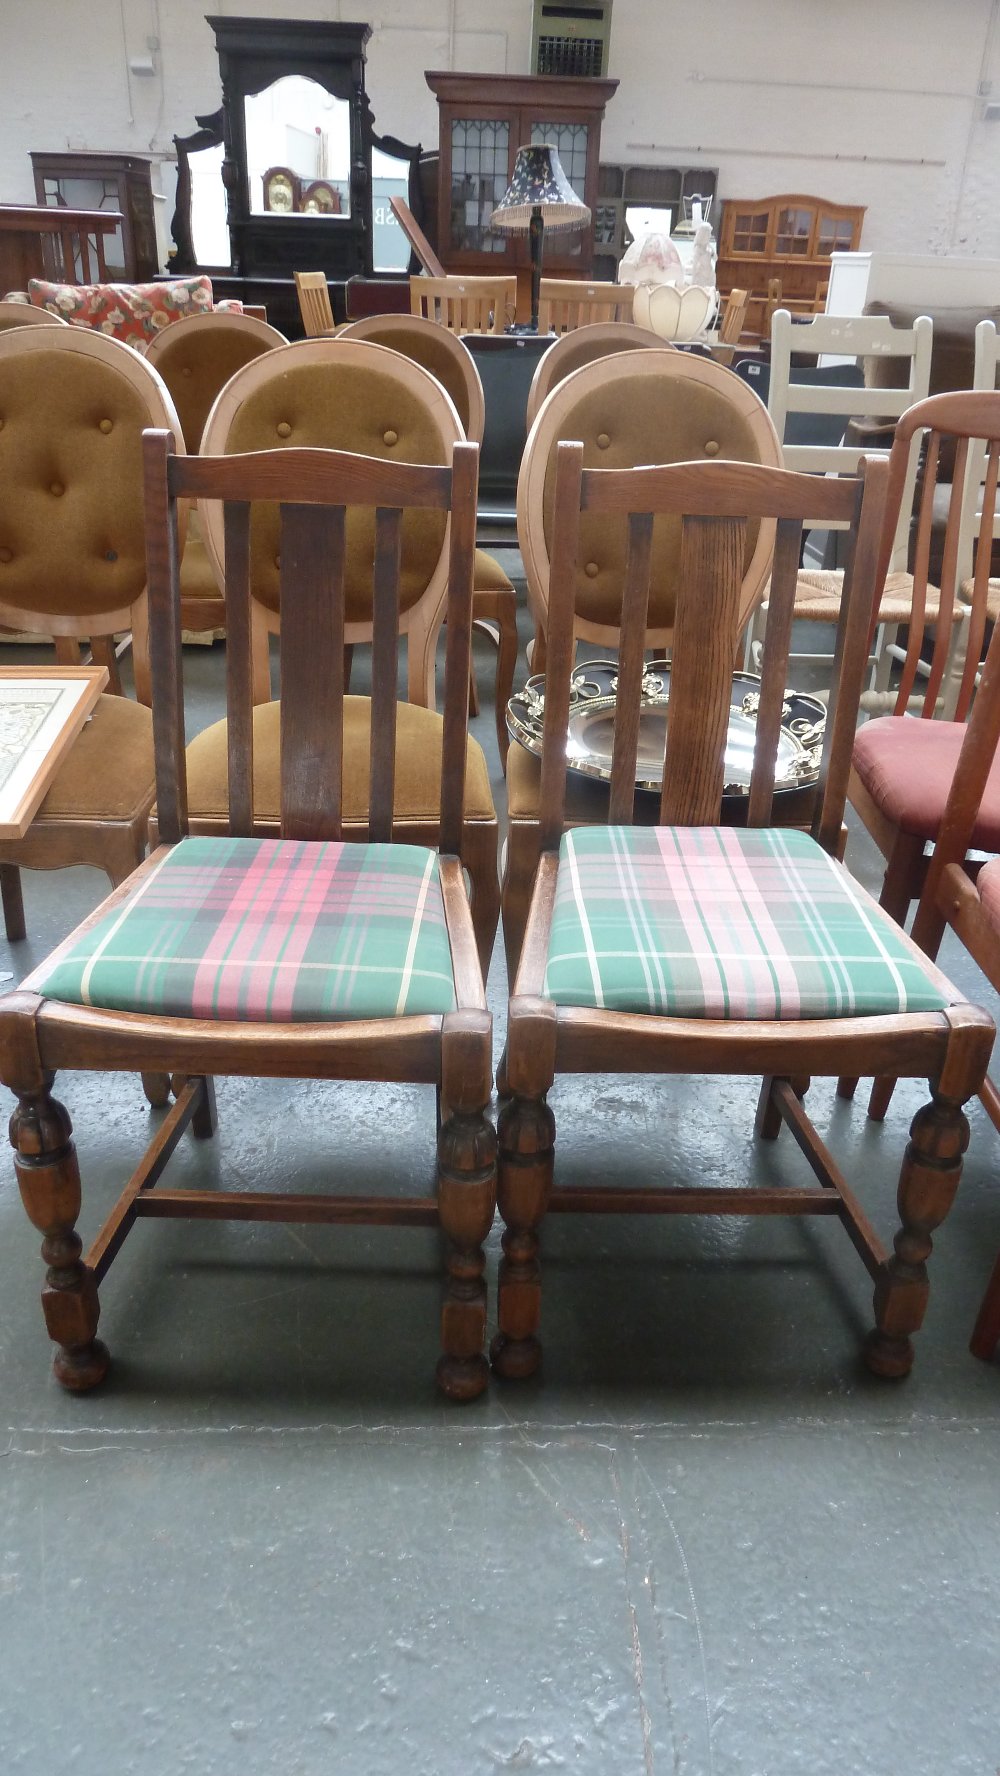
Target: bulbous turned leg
{"points": [[157, 1089], [932, 1167], [49, 1179], [527, 1137], [467, 1174]]}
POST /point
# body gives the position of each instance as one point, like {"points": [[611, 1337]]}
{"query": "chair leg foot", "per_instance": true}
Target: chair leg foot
{"points": [[157, 1089], [48, 1177], [768, 1121], [986, 1333], [932, 1167], [846, 1087], [204, 1120], [467, 1169], [527, 1138], [881, 1098], [13, 903]]}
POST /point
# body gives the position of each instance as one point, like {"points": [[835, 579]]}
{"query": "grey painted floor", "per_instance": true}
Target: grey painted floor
{"points": [[704, 1543]]}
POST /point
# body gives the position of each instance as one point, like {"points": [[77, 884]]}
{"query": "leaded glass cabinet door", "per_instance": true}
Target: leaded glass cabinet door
{"points": [[481, 162]]}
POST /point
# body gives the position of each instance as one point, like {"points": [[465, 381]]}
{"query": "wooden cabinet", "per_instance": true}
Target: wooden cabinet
{"points": [[96, 181], [786, 240], [483, 120]]}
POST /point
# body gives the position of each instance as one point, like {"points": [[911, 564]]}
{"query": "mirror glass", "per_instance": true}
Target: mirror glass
{"points": [[209, 227], [298, 150], [390, 178]]}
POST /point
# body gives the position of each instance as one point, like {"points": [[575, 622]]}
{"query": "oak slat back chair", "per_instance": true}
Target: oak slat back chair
{"points": [[338, 960], [565, 303], [634, 407], [818, 595], [448, 358], [597, 339], [903, 765], [74, 405], [313, 292], [196, 357], [357, 396], [614, 979], [465, 304], [731, 323]]}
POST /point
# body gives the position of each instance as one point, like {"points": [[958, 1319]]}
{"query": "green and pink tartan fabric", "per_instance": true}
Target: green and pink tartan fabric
{"points": [[270, 931], [722, 922]]}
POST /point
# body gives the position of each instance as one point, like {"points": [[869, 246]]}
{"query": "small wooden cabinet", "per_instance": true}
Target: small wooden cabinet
{"points": [[788, 240], [622, 188], [483, 120], [97, 181]]}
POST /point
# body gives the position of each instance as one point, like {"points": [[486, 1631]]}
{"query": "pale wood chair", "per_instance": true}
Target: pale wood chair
{"points": [[381, 981], [465, 304], [731, 324], [313, 292], [584, 345], [25, 314], [565, 303], [792, 968]]}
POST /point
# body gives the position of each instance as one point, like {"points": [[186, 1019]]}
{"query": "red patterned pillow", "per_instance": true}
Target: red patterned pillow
{"points": [[130, 312]]}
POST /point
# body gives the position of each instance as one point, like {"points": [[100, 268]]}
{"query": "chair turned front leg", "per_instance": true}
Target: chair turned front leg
{"points": [[527, 1136], [932, 1167], [49, 1179], [467, 1175]]}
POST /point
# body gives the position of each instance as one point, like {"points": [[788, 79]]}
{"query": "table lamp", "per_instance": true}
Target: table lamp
{"points": [[538, 198]]}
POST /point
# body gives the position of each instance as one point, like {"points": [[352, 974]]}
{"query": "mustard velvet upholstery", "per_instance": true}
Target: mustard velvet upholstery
{"points": [[630, 421], [197, 578], [108, 773], [197, 362], [418, 766], [488, 575], [423, 347], [581, 347], [71, 523], [335, 406]]}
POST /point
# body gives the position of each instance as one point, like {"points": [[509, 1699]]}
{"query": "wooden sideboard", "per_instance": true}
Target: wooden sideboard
{"points": [[47, 242], [786, 240]]}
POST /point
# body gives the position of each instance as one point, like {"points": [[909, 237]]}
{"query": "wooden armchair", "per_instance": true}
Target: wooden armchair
{"points": [[696, 948], [299, 956]]}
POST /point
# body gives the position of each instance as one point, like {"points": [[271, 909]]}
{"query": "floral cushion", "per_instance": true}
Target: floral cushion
{"points": [[133, 313]]}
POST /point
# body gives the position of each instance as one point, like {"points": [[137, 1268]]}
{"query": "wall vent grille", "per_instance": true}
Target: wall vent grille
{"points": [[570, 39]]}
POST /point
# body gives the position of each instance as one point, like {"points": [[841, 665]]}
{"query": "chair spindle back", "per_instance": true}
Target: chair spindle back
{"points": [[314, 489]]}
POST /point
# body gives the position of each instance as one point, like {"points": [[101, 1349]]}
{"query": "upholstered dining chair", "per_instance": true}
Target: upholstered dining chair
{"points": [[691, 947], [597, 339], [350, 395], [636, 407], [196, 358], [304, 955], [72, 566], [903, 763], [25, 314], [494, 603], [565, 303]]}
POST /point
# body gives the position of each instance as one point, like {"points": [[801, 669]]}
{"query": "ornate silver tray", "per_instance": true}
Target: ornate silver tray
{"points": [[592, 717]]}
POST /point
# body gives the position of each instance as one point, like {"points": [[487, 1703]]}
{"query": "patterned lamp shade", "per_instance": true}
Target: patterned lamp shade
{"points": [[538, 182]]}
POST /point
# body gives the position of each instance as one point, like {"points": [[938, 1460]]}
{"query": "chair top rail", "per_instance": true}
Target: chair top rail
{"points": [[720, 489], [850, 335], [311, 476]]}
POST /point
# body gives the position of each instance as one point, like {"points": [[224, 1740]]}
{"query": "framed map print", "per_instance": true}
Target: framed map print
{"points": [[42, 710]]}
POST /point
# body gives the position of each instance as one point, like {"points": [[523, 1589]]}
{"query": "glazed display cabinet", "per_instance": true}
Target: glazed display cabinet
{"points": [[785, 240], [97, 181]]}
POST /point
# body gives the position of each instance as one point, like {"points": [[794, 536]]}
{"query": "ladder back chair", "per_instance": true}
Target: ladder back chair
{"points": [[298, 956], [448, 358], [465, 304], [565, 303], [313, 292], [697, 948], [636, 407], [584, 345], [355, 396], [902, 768], [817, 597]]}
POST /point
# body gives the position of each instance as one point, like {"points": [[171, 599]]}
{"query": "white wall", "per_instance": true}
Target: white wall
{"points": [[867, 101]]}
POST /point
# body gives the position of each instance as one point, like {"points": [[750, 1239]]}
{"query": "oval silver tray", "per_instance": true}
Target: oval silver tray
{"points": [[592, 715]]}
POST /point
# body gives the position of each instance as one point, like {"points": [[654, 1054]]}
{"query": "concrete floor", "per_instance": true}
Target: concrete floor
{"points": [[705, 1542]]}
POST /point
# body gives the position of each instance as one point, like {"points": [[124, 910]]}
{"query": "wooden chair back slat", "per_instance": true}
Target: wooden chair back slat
{"points": [[949, 575], [774, 677], [239, 668], [566, 303], [313, 490], [314, 303], [715, 501], [980, 583], [635, 604], [313, 547], [385, 665], [464, 304]]}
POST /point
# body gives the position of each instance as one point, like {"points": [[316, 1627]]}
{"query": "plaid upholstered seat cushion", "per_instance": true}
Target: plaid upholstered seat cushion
{"points": [[269, 931], [719, 922]]}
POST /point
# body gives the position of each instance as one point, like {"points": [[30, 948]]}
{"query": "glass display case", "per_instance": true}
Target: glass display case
{"points": [[98, 181]]}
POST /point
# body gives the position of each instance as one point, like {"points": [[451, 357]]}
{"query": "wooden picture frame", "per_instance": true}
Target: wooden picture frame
{"points": [[42, 710]]}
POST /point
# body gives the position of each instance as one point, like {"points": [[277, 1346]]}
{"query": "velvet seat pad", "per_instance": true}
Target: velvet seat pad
{"points": [[418, 766], [907, 767], [108, 772], [717, 922], [268, 931]]}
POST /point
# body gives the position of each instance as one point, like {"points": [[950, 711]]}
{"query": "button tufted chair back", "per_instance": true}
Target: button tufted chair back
{"points": [[25, 314], [73, 407], [197, 356], [442, 353], [584, 345], [634, 408], [342, 395]]}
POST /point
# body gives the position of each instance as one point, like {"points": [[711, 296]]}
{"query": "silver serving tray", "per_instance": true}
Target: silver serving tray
{"points": [[590, 740]]}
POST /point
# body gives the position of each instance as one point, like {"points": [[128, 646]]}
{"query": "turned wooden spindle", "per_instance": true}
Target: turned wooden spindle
{"points": [[467, 1170], [527, 1142]]}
